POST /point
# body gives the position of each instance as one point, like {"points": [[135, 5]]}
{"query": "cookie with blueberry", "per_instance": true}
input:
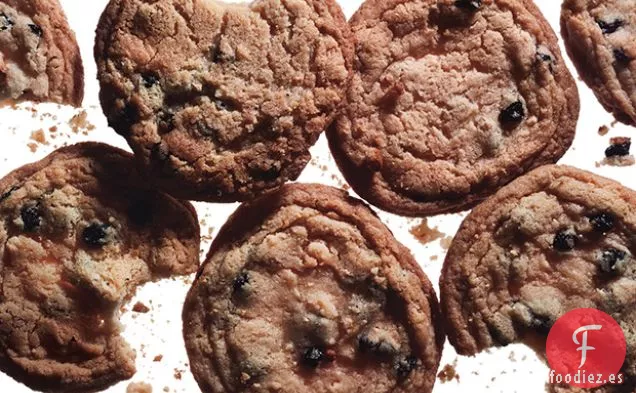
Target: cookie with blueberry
{"points": [[78, 235], [305, 290], [600, 37], [554, 240], [39, 57], [451, 100], [221, 102]]}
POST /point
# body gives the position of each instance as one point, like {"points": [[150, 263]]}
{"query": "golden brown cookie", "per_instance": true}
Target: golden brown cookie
{"points": [[77, 236], [305, 290], [451, 100], [39, 57], [221, 102], [554, 240], [600, 37]]}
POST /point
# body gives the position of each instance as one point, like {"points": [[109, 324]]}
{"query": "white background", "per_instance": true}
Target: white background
{"points": [[512, 369]]}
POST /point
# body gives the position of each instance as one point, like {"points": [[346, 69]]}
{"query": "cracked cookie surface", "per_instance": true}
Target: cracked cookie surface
{"points": [[451, 100], [554, 240], [600, 37], [77, 237], [39, 57], [221, 102], [305, 290]]}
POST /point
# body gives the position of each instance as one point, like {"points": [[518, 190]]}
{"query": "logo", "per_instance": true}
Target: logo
{"points": [[586, 348]]}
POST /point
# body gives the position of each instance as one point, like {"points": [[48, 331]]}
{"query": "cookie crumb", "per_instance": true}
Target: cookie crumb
{"points": [[425, 234], [139, 387], [140, 308], [80, 122], [603, 130], [39, 137], [158, 358], [448, 373], [33, 147], [446, 242], [178, 374], [618, 153]]}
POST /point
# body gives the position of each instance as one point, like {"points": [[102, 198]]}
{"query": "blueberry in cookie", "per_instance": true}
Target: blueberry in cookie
{"points": [[73, 249], [221, 102], [306, 290], [39, 57], [450, 100]]}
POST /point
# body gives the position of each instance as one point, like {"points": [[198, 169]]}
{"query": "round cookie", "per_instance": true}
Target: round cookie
{"points": [[221, 102], [451, 100], [77, 237], [39, 57], [600, 37], [554, 240], [306, 290]]}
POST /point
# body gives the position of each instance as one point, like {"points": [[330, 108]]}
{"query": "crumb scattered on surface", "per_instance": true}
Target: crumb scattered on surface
{"points": [[33, 147], [425, 234], [178, 374], [158, 358], [603, 130], [446, 242], [620, 157], [39, 137], [79, 123], [140, 308], [434, 258], [448, 373], [139, 387]]}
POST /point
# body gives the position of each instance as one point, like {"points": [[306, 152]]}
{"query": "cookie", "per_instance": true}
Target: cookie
{"points": [[450, 100], [555, 240], [39, 57], [77, 236], [221, 102], [306, 290], [600, 38]]}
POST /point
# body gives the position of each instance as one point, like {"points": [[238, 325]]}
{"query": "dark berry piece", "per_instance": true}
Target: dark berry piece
{"points": [[31, 218], [150, 80], [621, 57], [471, 5], [35, 29], [5, 22], [313, 356], [564, 241], [602, 222], [405, 365], [545, 57], [240, 282], [96, 235], [513, 114], [160, 151], [8, 193], [619, 148], [610, 27], [165, 121], [609, 259]]}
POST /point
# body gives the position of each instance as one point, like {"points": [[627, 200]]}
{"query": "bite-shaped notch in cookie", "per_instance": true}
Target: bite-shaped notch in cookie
{"points": [[77, 237], [222, 102], [39, 56], [306, 290], [554, 240], [600, 37], [451, 100]]}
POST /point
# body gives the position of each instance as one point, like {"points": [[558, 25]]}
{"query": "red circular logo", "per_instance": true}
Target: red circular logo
{"points": [[586, 348]]}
